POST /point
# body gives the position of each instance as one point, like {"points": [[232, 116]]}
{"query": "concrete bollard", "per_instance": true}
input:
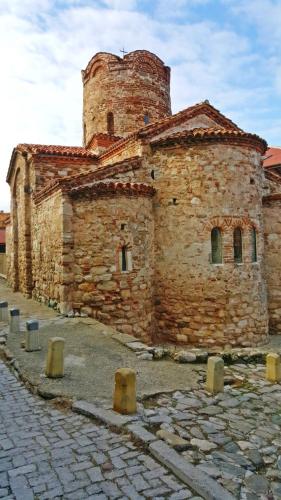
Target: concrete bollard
{"points": [[14, 320], [215, 375], [124, 400], [273, 367], [55, 364], [32, 341], [4, 311]]}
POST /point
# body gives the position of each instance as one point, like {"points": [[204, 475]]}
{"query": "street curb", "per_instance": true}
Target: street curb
{"points": [[200, 482], [108, 417]]}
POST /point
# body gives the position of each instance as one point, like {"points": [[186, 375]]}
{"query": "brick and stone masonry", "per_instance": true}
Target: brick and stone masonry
{"points": [[122, 228]]}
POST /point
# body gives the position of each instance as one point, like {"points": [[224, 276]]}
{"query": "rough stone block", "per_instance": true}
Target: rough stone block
{"points": [[141, 433], [32, 340], [55, 358], [215, 375], [4, 311], [273, 367], [14, 320], [173, 440], [125, 391]]}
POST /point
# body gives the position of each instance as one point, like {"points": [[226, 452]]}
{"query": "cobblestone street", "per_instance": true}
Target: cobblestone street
{"points": [[46, 453], [234, 436]]}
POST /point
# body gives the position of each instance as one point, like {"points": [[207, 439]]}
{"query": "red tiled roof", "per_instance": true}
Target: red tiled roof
{"points": [[55, 150], [212, 133], [2, 236], [110, 188], [161, 125], [44, 149], [82, 178], [101, 139], [272, 157]]}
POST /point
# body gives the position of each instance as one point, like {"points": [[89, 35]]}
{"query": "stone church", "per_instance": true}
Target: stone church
{"points": [[164, 226]]}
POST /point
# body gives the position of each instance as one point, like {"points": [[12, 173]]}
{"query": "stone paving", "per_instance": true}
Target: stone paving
{"points": [[47, 453], [234, 436]]}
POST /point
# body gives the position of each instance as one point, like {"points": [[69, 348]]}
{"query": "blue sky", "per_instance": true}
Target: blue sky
{"points": [[227, 51]]}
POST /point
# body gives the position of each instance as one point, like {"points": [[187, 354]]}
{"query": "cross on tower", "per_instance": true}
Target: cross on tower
{"points": [[123, 51]]}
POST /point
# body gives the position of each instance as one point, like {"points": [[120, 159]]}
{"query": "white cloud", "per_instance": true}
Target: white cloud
{"points": [[121, 4], [264, 14]]}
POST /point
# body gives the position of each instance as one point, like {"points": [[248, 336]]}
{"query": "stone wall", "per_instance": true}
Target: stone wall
{"points": [[19, 267], [198, 188], [49, 168], [130, 88], [48, 250], [101, 227], [272, 234]]}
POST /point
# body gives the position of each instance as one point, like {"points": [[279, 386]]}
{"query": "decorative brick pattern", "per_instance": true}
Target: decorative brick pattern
{"points": [[129, 87]]}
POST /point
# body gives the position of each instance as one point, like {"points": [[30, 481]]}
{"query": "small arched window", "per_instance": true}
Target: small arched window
{"points": [[216, 244], [146, 119], [237, 245], [110, 123], [254, 244]]}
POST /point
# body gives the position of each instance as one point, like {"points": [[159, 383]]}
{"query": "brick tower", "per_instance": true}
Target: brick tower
{"points": [[122, 95]]}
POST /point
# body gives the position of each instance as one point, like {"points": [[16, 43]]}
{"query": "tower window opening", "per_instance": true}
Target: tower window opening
{"points": [[237, 245], [110, 123], [124, 260], [146, 119], [152, 173], [254, 244], [216, 245]]}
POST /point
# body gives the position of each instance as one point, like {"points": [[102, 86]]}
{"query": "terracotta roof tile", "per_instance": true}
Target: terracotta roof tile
{"points": [[110, 188], [210, 133], [157, 127], [55, 150], [272, 157]]}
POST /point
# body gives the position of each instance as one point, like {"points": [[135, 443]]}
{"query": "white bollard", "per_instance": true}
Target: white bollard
{"points": [[4, 311], [32, 341], [14, 320]]}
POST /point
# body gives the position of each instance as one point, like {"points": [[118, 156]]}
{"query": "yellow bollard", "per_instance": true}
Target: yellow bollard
{"points": [[273, 367], [124, 400], [215, 375], [55, 365]]}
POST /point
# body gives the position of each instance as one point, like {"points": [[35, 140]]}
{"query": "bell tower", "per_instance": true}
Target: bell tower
{"points": [[121, 95]]}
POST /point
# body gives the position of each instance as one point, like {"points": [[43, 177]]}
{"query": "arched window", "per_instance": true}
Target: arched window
{"points": [[110, 123], [237, 245], [254, 244], [146, 119], [216, 244]]}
